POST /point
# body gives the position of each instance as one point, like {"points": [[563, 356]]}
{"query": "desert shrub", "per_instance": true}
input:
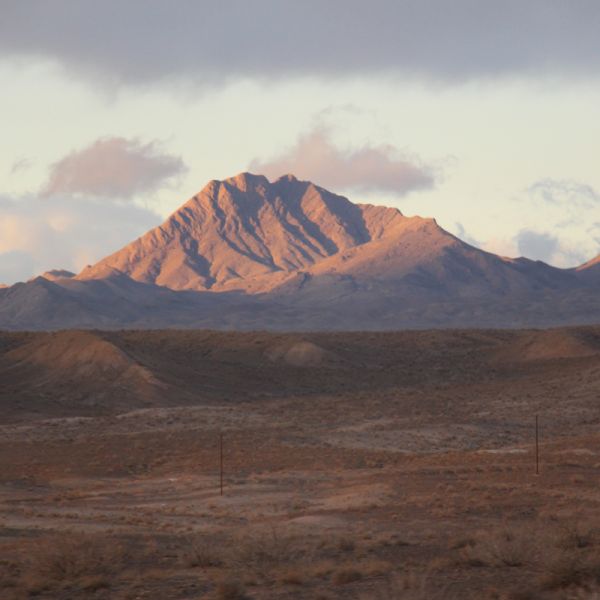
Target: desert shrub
{"points": [[344, 576], [405, 586], [588, 592], [345, 544], [559, 553], [198, 551], [575, 535], [292, 576], [84, 560], [261, 552], [230, 589], [506, 547], [9, 574], [563, 571]]}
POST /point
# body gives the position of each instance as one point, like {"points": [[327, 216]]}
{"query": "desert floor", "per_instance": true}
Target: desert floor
{"points": [[356, 465]]}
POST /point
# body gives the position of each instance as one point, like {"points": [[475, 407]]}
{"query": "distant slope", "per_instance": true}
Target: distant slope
{"points": [[117, 301]]}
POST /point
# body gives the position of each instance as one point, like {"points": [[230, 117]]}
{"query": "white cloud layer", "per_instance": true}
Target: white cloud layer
{"points": [[39, 234], [368, 168], [113, 167]]}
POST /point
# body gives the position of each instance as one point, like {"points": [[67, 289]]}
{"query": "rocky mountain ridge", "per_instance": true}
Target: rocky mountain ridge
{"points": [[246, 253]]}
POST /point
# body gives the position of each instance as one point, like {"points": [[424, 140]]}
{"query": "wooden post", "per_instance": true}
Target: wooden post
{"points": [[221, 461], [537, 447]]}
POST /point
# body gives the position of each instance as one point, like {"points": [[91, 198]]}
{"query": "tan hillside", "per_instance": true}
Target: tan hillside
{"points": [[552, 344]]}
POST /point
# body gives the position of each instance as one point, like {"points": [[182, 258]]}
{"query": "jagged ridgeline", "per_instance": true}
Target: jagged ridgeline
{"points": [[247, 253]]}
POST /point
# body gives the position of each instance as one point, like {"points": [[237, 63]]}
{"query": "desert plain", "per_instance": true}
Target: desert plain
{"points": [[397, 465]]}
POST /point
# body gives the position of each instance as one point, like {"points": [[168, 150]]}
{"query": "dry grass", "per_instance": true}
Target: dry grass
{"points": [[505, 547], [9, 574], [262, 552], [200, 551], [564, 555], [230, 589], [80, 561], [405, 586], [574, 534], [317, 491], [292, 576], [344, 576]]}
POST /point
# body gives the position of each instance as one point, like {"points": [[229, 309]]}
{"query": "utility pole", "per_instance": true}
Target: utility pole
{"points": [[221, 461]]}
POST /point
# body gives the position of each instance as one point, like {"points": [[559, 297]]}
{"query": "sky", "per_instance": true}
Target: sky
{"points": [[482, 114]]}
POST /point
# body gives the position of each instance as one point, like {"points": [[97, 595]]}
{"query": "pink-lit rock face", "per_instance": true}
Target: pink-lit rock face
{"points": [[248, 233]]}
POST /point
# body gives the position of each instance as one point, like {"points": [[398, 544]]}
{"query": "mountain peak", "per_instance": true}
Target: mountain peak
{"points": [[288, 177], [246, 181], [249, 234]]}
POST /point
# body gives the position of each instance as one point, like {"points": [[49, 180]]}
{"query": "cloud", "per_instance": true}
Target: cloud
{"points": [[14, 264], [537, 245], [369, 168], [19, 165], [563, 251], [564, 192], [113, 167], [39, 234], [141, 41]]}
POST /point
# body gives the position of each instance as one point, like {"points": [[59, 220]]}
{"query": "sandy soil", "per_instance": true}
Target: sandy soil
{"points": [[396, 465]]}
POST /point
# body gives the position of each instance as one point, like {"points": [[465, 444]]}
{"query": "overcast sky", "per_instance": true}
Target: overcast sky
{"points": [[483, 114]]}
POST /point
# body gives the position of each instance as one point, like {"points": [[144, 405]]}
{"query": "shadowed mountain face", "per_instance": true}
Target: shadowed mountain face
{"points": [[245, 253]]}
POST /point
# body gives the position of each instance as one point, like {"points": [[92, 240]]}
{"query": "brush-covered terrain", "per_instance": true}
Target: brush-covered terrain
{"points": [[356, 465]]}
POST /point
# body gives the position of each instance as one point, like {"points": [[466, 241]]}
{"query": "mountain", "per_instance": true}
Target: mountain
{"points": [[246, 233], [246, 253]]}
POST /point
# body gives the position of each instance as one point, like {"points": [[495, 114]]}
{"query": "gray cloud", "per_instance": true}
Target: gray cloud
{"points": [[15, 265], [142, 41], [19, 165], [537, 245], [549, 248], [369, 168], [38, 234], [113, 167]]}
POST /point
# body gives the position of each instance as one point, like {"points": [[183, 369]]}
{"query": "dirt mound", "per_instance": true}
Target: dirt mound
{"points": [[79, 355], [74, 351], [303, 354], [551, 344]]}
